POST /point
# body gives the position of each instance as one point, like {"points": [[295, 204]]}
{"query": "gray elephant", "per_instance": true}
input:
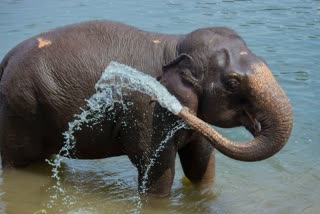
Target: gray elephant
{"points": [[46, 79]]}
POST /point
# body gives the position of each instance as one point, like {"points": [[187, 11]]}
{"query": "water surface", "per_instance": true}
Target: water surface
{"points": [[285, 33]]}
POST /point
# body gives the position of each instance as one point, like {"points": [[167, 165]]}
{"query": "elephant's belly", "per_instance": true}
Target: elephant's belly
{"points": [[100, 141], [97, 149]]}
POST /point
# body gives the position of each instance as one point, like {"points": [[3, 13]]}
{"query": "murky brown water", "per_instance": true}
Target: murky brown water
{"points": [[102, 186], [285, 33]]}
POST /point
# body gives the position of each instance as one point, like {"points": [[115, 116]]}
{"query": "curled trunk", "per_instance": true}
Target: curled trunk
{"points": [[275, 119]]}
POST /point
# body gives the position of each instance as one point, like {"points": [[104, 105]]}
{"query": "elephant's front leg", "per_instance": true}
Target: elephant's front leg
{"points": [[156, 173], [198, 161]]}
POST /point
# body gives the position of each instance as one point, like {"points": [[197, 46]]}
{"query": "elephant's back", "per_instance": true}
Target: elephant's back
{"points": [[58, 69], [53, 68]]}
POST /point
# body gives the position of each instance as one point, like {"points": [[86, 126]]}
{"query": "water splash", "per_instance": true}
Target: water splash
{"points": [[176, 127], [179, 125], [109, 91], [130, 78]]}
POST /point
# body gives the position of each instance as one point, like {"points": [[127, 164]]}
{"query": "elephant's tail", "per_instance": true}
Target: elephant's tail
{"points": [[3, 64], [1, 71], [5, 61]]}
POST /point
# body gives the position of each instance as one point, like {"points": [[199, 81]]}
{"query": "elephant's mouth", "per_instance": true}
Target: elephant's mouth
{"points": [[250, 122]]}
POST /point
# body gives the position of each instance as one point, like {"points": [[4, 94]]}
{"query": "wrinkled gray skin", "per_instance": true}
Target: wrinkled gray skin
{"points": [[46, 79]]}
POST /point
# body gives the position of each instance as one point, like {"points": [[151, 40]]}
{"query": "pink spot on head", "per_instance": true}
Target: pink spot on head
{"points": [[156, 41], [243, 53], [43, 42]]}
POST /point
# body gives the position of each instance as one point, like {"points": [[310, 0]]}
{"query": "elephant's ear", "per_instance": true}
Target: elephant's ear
{"points": [[183, 65], [183, 58], [178, 76]]}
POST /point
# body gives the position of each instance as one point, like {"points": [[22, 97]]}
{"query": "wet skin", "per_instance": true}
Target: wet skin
{"points": [[46, 79]]}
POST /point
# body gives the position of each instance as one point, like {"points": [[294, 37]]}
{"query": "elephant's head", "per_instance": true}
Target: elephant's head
{"points": [[224, 84]]}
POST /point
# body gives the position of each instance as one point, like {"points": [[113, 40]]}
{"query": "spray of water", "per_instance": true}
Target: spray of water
{"points": [[109, 90], [176, 127]]}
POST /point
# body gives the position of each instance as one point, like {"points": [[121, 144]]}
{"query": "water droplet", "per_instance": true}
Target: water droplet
{"points": [[109, 92]]}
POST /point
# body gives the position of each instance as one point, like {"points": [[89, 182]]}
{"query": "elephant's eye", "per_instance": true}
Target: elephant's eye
{"points": [[232, 84]]}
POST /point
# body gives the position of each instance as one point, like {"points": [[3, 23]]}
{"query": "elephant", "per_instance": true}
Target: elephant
{"points": [[211, 71]]}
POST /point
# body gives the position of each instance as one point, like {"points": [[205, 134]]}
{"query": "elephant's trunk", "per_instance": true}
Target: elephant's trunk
{"points": [[275, 119]]}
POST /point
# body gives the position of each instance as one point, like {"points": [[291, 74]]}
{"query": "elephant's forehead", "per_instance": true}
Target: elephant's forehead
{"points": [[244, 62]]}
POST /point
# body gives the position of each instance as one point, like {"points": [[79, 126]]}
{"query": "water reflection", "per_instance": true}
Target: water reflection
{"points": [[97, 189], [195, 198], [26, 189]]}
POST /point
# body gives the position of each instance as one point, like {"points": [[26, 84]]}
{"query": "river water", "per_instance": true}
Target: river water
{"points": [[285, 33]]}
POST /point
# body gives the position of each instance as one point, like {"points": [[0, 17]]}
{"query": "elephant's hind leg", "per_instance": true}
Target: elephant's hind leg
{"points": [[198, 161], [20, 141]]}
